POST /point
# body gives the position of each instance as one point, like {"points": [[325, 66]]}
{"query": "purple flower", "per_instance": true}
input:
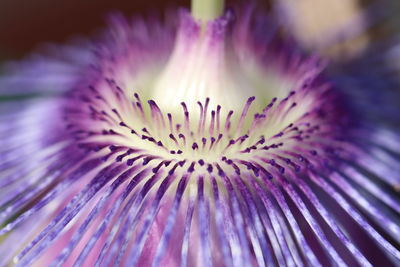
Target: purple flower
{"points": [[192, 143]]}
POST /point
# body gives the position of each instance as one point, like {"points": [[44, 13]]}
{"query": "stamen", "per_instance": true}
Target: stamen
{"points": [[244, 113], [218, 118], [211, 131], [228, 122], [186, 113]]}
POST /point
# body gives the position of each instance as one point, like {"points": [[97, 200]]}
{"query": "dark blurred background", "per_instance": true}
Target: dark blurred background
{"points": [[26, 23]]}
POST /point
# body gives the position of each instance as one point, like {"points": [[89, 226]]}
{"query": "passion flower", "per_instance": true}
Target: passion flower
{"points": [[208, 140]]}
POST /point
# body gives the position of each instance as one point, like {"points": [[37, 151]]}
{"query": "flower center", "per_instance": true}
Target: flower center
{"points": [[213, 101]]}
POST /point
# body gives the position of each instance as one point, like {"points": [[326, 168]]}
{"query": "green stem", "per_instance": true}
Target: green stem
{"points": [[206, 10]]}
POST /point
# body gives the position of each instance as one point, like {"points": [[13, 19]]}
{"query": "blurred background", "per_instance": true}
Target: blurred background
{"points": [[24, 24]]}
